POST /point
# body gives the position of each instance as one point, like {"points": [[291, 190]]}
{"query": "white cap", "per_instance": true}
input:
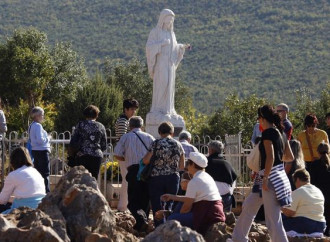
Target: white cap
{"points": [[198, 158]]}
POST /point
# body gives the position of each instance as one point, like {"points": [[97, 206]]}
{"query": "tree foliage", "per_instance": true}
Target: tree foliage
{"points": [[108, 98], [237, 115], [25, 66], [18, 117], [133, 80], [266, 48], [307, 104], [69, 74]]}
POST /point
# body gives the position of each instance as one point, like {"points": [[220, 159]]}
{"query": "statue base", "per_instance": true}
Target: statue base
{"points": [[153, 121]]}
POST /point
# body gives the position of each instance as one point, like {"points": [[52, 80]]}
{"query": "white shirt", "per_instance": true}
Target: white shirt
{"points": [[131, 148], [308, 202], [202, 188], [225, 188], [25, 182]]}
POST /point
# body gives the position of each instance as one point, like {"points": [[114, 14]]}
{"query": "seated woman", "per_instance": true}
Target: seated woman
{"points": [[24, 183], [171, 215], [305, 215], [202, 200]]}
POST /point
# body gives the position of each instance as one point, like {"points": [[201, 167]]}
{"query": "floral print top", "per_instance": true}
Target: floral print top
{"points": [[90, 138], [166, 156]]}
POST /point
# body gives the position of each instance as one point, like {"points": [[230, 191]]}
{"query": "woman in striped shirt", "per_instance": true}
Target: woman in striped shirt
{"points": [[271, 187]]}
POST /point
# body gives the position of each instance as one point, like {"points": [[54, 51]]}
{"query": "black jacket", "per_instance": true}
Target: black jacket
{"points": [[220, 170]]}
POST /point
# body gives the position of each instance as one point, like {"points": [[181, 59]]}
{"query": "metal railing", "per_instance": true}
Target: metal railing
{"points": [[235, 153]]}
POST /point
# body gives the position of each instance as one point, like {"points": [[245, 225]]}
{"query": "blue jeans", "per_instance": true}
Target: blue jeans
{"points": [[159, 185], [227, 201], [303, 225], [185, 219]]}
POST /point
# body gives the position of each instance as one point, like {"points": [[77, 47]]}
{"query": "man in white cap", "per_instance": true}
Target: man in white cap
{"points": [[202, 198]]}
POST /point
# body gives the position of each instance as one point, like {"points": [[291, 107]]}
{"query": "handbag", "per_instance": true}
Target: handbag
{"points": [[144, 172], [253, 159]]}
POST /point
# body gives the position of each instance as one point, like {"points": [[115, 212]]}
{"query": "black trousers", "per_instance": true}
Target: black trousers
{"points": [[41, 163], [138, 197], [91, 163]]}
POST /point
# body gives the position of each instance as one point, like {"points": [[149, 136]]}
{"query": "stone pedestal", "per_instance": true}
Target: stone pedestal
{"points": [[153, 121]]}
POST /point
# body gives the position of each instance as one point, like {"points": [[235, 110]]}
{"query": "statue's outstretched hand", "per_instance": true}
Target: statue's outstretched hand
{"points": [[187, 46]]}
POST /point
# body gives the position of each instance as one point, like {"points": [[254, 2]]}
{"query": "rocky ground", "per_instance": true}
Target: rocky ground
{"points": [[77, 211]]}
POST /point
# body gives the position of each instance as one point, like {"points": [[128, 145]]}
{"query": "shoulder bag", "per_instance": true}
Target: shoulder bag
{"points": [[253, 159], [144, 172]]}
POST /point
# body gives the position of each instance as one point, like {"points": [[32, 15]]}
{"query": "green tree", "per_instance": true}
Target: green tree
{"points": [[18, 116], [25, 66], [237, 115], [133, 80], [307, 104], [108, 98], [69, 74]]}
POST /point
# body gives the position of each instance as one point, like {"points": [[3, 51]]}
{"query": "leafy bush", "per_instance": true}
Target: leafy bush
{"points": [[18, 118], [108, 98]]}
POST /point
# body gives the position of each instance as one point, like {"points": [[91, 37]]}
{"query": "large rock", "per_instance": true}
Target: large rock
{"points": [[259, 232], [5, 224], [218, 232], [125, 221], [82, 205], [173, 231], [40, 233], [27, 218], [58, 220]]}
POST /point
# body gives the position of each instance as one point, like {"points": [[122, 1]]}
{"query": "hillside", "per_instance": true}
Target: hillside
{"points": [[265, 47]]}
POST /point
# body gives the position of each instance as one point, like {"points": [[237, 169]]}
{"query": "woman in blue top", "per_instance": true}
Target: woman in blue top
{"points": [[40, 145]]}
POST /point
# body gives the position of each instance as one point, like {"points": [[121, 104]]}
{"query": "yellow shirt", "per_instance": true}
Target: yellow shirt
{"points": [[308, 202], [316, 138]]}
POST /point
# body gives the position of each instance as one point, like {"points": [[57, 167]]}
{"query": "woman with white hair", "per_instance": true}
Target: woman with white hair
{"points": [[40, 144]]}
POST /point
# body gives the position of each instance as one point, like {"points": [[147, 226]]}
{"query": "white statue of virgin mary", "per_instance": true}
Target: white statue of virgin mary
{"points": [[163, 56]]}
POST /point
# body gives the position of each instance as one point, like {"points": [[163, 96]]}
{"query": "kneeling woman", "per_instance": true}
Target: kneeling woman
{"points": [[24, 183], [202, 198]]}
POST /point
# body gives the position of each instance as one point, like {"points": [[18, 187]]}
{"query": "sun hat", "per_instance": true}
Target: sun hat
{"points": [[198, 158]]}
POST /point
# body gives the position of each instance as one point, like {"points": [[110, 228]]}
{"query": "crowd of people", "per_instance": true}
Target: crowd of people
{"points": [[185, 185], [304, 187]]}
